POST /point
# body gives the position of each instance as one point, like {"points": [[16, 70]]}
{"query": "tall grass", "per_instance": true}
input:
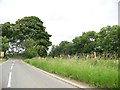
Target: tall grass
{"points": [[2, 60], [99, 73]]}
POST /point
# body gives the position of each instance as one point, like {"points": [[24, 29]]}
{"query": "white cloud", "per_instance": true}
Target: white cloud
{"points": [[64, 19]]}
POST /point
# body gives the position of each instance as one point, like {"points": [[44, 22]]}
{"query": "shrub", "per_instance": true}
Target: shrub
{"points": [[30, 53]]}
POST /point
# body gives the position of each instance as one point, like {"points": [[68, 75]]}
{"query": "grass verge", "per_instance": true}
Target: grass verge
{"points": [[2, 60], [102, 74]]}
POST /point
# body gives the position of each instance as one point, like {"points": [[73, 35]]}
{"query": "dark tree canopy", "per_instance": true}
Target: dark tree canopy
{"points": [[106, 41], [28, 31]]}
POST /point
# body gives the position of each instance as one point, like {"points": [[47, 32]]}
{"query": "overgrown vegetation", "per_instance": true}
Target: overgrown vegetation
{"points": [[3, 59], [105, 43], [99, 73]]}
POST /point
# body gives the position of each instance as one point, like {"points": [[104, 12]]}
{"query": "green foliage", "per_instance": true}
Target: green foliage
{"points": [[42, 51], [30, 48], [30, 53], [31, 32], [64, 48], [106, 41], [31, 27], [27, 33], [29, 43], [4, 45], [7, 30], [118, 36], [6, 33], [99, 73]]}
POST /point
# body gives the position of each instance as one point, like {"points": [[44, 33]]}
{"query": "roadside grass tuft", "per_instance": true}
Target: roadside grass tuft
{"points": [[2, 60]]}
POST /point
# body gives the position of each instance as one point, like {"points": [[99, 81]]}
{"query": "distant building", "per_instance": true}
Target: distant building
{"points": [[14, 48]]}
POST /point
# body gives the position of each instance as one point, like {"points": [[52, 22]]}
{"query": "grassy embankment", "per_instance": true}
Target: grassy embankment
{"points": [[2, 59], [99, 73]]}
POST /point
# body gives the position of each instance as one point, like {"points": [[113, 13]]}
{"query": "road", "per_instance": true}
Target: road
{"points": [[17, 74]]}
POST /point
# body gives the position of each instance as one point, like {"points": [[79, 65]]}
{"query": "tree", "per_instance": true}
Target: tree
{"points": [[28, 33], [64, 48], [118, 37], [4, 45], [105, 42], [107, 39], [7, 30], [32, 28], [85, 43], [30, 53]]}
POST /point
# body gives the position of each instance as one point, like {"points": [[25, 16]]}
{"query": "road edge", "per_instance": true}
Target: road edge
{"points": [[59, 78], [3, 62]]}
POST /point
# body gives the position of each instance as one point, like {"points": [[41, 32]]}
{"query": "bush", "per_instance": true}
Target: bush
{"points": [[30, 53], [6, 57]]}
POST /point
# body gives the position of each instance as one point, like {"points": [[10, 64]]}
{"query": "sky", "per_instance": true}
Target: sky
{"points": [[63, 19]]}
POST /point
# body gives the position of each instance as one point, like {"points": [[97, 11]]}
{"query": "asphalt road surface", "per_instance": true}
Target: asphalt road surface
{"points": [[16, 74]]}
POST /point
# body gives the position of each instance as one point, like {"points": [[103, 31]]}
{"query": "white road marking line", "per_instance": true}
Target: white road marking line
{"points": [[10, 76], [12, 66], [9, 80]]}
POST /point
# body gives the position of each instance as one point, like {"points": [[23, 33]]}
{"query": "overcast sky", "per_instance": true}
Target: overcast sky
{"points": [[63, 19]]}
